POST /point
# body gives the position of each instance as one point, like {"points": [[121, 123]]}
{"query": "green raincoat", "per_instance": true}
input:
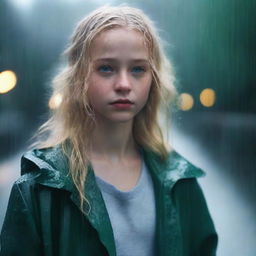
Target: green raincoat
{"points": [[43, 215]]}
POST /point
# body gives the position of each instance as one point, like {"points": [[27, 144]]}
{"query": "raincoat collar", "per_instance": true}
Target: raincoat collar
{"points": [[49, 167], [54, 171], [174, 168]]}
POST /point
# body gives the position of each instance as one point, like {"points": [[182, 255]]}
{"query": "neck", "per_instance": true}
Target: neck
{"points": [[113, 141]]}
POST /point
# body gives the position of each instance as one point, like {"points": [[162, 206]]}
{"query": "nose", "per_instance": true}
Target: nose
{"points": [[123, 83]]}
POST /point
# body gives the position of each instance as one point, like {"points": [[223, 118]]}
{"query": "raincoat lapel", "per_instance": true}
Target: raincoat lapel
{"points": [[97, 212], [54, 173], [165, 174]]}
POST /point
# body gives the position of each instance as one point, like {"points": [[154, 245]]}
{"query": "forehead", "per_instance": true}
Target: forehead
{"points": [[119, 43]]}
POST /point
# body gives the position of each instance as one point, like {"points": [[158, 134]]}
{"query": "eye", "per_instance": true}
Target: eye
{"points": [[105, 69], [138, 70]]}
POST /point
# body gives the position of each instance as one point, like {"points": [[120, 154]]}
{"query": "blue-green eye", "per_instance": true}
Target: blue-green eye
{"points": [[105, 69], [138, 70]]}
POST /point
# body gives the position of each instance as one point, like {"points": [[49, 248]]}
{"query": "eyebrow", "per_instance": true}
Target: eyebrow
{"points": [[116, 60]]}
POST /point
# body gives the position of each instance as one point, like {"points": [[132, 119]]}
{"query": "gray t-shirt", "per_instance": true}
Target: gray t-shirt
{"points": [[132, 215]]}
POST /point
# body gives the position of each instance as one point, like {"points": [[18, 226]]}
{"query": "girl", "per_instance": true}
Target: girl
{"points": [[102, 181]]}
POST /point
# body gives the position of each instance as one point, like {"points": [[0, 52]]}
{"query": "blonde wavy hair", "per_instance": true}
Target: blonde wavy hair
{"points": [[73, 120]]}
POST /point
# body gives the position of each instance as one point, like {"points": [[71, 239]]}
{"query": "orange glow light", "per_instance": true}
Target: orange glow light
{"points": [[8, 81], [55, 101], [186, 101], [208, 97]]}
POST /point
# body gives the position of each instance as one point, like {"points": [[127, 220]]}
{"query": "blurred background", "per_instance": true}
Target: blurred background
{"points": [[212, 45]]}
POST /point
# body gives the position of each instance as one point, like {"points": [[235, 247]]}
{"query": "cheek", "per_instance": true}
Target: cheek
{"points": [[95, 90], [146, 89], [144, 94], [93, 95]]}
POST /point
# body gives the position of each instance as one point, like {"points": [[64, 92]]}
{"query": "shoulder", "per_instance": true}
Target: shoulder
{"points": [[176, 164], [47, 167], [173, 168], [51, 158]]}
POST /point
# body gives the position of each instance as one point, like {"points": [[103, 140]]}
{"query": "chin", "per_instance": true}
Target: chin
{"points": [[121, 118], [115, 118]]}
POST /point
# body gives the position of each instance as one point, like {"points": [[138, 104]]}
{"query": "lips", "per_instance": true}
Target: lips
{"points": [[122, 104], [121, 101]]}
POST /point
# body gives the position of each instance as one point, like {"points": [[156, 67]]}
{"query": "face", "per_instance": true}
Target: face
{"points": [[120, 81]]}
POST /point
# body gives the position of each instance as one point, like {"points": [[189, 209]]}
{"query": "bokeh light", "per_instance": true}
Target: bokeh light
{"points": [[186, 101], [55, 101], [22, 4], [208, 97], [8, 81]]}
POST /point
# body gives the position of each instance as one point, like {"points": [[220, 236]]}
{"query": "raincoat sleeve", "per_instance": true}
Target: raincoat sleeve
{"points": [[197, 224], [19, 234]]}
